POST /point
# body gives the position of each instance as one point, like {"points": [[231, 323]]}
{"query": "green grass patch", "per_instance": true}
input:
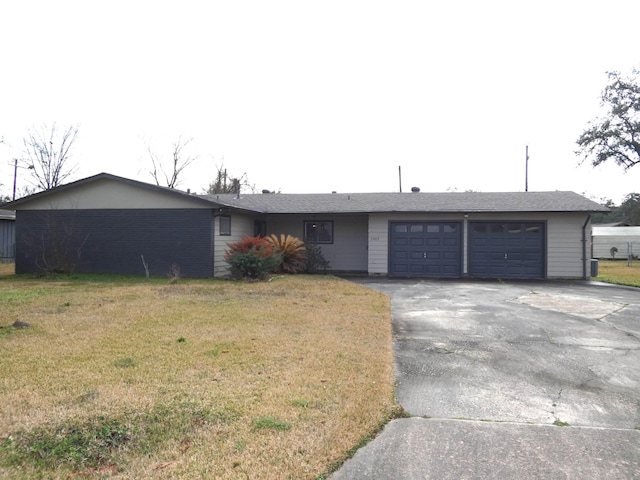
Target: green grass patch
{"points": [[300, 403], [271, 422], [125, 363], [102, 441], [6, 331]]}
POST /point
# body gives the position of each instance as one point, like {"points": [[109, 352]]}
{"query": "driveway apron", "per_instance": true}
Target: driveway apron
{"points": [[510, 380]]}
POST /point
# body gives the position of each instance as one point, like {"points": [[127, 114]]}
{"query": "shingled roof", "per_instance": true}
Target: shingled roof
{"points": [[336, 203], [449, 202]]}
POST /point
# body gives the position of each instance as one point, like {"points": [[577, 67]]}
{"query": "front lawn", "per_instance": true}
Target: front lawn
{"points": [[124, 378]]}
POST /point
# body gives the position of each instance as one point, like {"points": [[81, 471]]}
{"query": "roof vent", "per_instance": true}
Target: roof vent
{"points": [[415, 189]]}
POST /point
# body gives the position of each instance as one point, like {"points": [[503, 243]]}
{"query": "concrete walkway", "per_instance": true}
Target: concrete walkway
{"points": [[535, 380]]}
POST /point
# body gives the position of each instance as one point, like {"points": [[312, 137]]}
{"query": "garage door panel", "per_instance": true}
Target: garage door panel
{"points": [[507, 249], [431, 249]]}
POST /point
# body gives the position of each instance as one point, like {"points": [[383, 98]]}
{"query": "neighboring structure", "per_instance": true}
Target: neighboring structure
{"points": [[7, 235], [625, 240], [109, 224]]}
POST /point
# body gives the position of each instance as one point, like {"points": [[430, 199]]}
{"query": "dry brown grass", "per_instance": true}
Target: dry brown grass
{"points": [[309, 352], [7, 268], [619, 272]]}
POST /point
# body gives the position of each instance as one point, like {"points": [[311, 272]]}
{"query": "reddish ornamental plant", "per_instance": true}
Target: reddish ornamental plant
{"points": [[258, 245]]}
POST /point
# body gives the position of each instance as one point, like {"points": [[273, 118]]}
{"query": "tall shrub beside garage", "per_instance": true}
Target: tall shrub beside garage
{"points": [[252, 258]]}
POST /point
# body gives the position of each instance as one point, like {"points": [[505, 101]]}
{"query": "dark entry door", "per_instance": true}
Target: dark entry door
{"points": [[425, 249], [506, 249]]}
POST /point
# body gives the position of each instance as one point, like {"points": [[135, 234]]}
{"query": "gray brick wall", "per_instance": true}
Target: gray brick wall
{"points": [[112, 241]]}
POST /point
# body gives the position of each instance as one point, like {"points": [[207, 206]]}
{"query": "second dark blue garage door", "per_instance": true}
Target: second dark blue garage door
{"points": [[507, 249]]}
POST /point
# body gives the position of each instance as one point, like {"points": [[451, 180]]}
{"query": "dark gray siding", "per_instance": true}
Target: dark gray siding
{"points": [[112, 241]]}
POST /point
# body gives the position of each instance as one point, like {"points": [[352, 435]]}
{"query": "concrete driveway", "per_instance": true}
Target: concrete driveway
{"points": [[510, 380]]}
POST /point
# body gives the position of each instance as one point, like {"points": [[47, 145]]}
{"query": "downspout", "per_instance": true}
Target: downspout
{"points": [[584, 248]]}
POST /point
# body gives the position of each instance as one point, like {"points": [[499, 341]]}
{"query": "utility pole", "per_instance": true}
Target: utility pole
{"points": [[526, 173], [15, 176]]}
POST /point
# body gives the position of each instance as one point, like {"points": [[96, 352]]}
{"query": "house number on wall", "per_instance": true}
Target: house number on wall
{"points": [[375, 238]]}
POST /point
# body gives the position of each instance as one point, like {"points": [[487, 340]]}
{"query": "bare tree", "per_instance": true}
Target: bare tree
{"points": [[47, 155], [227, 183], [179, 161]]}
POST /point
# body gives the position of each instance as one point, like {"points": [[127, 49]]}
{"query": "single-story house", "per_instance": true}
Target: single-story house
{"points": [[111, 224], [625, 240], [7, 235]]}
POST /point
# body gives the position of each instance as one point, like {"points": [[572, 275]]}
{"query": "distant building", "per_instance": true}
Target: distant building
{"points": [[7, 235], [614, 241]]}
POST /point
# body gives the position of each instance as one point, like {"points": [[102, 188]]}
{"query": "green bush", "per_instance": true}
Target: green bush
{"points": [[254, 264], [316, 263]]}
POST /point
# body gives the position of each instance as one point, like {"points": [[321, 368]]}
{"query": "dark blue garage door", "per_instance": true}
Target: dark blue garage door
{"points": [[506, 249], [425, 249]]}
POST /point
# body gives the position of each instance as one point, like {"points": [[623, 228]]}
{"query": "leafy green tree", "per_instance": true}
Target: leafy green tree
{"points": [[630, 209], [616, 136], [606, 217], [627, 212]]}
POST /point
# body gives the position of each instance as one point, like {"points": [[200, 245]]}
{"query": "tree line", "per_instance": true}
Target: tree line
{"points": [[628, 212]]}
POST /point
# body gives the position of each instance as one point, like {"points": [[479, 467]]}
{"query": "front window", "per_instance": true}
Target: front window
{"points": [[259, 228], [318, 231], [225, 224]]}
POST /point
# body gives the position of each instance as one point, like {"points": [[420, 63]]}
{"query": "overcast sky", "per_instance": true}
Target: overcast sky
{"points": [[322, 96]]}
